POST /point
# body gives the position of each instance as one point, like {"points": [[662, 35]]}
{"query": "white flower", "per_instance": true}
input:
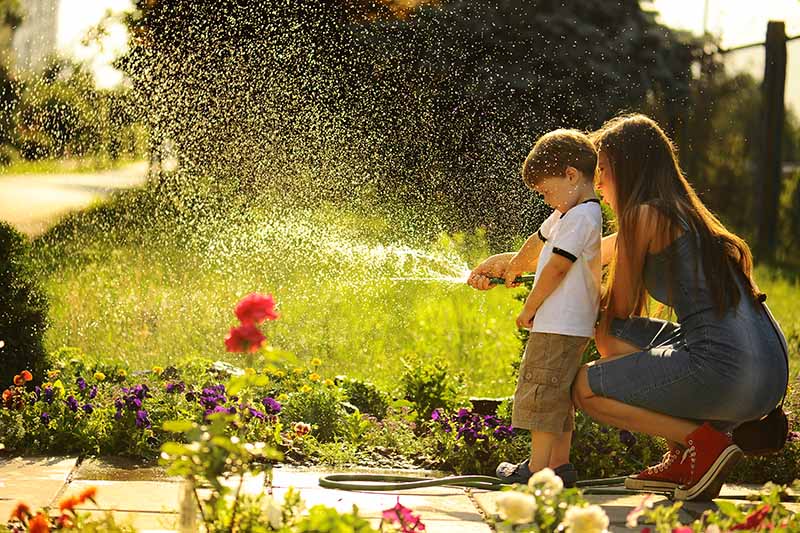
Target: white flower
{"points": [[274, 513], [633, 516], [590, 519], [547, 481], [516, 507], [713, 528]]}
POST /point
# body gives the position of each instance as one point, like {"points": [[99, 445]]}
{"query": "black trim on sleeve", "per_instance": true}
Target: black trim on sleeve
{"points": [[542, 237], [564, 253]]}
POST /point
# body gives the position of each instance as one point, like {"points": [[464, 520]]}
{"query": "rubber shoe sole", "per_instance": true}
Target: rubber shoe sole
{"points": [[708, 487], [633, 483]]}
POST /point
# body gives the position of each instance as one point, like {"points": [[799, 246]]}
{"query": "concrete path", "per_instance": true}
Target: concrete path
{"points": [[148, 499], [32, 202]]}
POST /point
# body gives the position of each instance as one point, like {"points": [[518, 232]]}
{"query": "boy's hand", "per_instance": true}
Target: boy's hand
{"points": [[514, 269], [525, 318]]}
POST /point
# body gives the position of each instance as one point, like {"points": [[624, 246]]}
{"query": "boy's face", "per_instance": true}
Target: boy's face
{"points": [[560, 192]]}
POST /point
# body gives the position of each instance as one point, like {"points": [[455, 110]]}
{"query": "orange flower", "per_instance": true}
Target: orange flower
{"points": [[21, 512], [39, 524], [26, 375], [64, 521], [88, 493], [19, 381], [68, 504]]}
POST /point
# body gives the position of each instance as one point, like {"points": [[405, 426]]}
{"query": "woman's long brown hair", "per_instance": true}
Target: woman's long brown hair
{"points": [[646, 172]]}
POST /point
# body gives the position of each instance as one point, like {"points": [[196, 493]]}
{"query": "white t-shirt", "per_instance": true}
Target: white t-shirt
{"points": [[571, 309]]}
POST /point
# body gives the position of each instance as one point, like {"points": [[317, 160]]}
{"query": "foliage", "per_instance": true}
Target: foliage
{"points": [[765, 512], [430, 384], [23, 309], [366, 397], [466, 442]]}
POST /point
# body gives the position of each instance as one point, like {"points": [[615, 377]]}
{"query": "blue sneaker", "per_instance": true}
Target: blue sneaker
{"points": [[568, 474]]}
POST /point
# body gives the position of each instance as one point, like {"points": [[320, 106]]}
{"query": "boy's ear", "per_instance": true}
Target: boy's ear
{"points": [[572, 174]]}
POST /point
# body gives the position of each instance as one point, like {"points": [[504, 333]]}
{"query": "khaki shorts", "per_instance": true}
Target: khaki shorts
{"points": [[543, 400]]}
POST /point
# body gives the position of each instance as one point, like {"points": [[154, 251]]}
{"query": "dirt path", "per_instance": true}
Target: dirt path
{"points": [[33, 202]]}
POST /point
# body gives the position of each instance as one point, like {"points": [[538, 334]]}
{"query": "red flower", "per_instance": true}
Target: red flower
{"points": [[88, 493], [68, 504], [26, 375], [245, 338], [301, 429], [39, 524], [754, 519], [255, 308], [682, 529], [403, 517], [21, 512], [19, 381]]}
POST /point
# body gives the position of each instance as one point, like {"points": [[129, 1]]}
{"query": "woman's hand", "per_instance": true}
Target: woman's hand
{"points": [[492, 267]]}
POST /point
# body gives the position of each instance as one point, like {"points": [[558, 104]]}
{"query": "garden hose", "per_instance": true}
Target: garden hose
{"points": [[519, 279], [383, 482], [613, 486]]}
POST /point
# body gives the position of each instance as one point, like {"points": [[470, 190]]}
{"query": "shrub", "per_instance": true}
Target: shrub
{"points": [[321, 407], [366, 397], [23, 309], [430, 384]]}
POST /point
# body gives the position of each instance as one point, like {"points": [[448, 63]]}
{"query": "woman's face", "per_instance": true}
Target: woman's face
{"points": [[605, 181]]}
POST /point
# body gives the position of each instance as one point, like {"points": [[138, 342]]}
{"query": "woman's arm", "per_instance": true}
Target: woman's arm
{"points": [[607, 246]]}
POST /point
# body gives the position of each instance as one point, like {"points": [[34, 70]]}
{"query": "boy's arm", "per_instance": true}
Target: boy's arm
{"points": [[551, 276], [525, 259]]}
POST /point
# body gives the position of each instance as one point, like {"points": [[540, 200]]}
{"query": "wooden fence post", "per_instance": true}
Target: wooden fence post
{"points": [[769, 164]]}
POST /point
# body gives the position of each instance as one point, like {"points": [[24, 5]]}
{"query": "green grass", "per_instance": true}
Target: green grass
{"points": [[171, 295], [127, 283]]}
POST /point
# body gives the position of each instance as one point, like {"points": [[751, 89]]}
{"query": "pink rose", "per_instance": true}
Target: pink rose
{"points": [[255, 308], [245, 338]]}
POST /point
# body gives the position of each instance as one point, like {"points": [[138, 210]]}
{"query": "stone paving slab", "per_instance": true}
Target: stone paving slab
{"points": [[121, 469], [35, 480]]}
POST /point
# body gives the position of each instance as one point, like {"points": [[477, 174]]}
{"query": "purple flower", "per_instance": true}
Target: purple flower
{"points": [[45, 418], [436, 415], [491, 421], [627, 438], [176, 387], [49, 394], [190, 396], [503, 432], [87, 408], [142, 421], [255, 413], [72, 403], [93, 392], [38, 391], [793, 436], [463, 415], [271, 405], [468, 434], [81, 383]]}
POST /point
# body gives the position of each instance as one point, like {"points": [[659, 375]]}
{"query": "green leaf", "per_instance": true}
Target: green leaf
{"points": [[178, 426], [730, 509]]}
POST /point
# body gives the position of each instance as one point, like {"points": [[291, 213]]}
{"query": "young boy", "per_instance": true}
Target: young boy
{"points": [[561, 310]]}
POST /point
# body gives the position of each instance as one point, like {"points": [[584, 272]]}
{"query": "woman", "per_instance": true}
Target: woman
{"points": [[720, 364]]}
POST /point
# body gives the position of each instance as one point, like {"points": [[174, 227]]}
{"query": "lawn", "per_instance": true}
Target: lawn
{"points": [[155, 296]]}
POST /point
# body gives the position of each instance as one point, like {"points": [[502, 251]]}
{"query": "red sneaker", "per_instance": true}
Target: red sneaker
{"points": [[673, 471], [712, 455]]}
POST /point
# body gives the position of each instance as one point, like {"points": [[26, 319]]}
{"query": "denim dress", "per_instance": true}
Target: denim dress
{"points": [[725, 369]]}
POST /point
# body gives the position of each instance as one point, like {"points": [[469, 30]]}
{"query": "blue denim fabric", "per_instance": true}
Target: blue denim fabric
{"points": [[725, 370]]}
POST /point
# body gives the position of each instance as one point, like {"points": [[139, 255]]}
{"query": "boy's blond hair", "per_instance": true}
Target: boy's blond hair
{"points": [[557, 150]]}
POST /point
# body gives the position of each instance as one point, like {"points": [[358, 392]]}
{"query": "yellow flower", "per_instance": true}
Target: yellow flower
{"points": [[122, 373], [250, 371], [329, 382], [305, 388], [298, 370], [279, 373], [157, 370], [282, 397], [53, 374], [316, 361], [99, 376], [314, 377]]}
